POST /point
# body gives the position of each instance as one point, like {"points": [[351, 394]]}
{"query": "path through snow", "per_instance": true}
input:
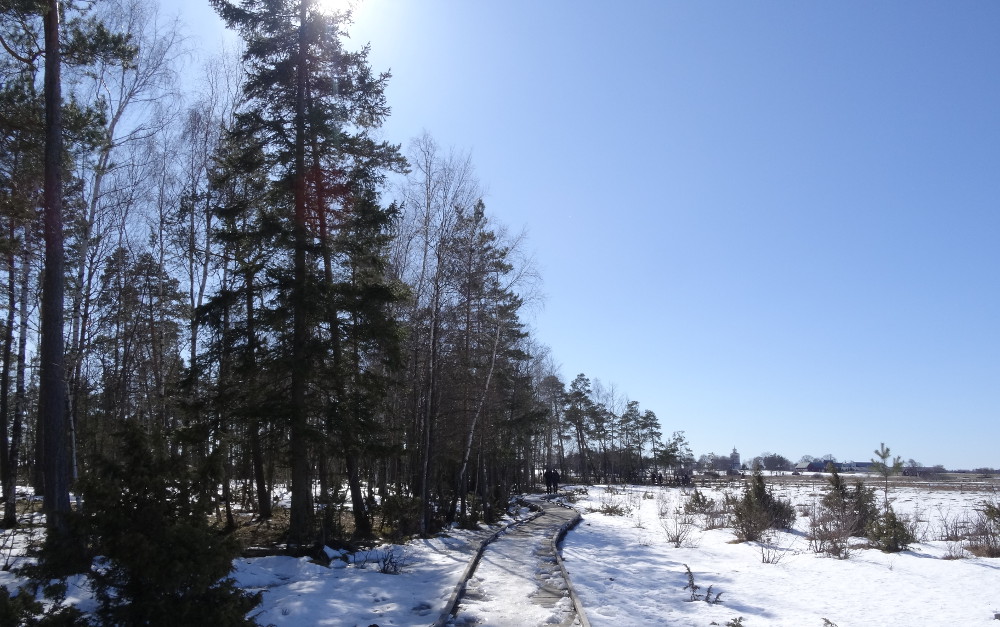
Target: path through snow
{"points": [[518, 580]]}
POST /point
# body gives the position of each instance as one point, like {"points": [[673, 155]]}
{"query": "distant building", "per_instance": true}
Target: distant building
{"points": [[813, 466], [854, 466], [734, 462]]}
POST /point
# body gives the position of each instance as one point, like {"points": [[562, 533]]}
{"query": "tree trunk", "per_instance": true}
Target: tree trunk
{"points": [[475, 418], [362, 525], [256, 449], [20, 399], [7, 365], [427, 423], [52, 384], [300, 523]]}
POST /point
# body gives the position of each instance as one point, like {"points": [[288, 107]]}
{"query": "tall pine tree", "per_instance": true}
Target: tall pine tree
{"points": [[309, 107]]}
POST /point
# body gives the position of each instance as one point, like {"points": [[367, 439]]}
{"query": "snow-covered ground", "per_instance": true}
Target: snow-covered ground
{"points": [[300, 592], [628, 573]]}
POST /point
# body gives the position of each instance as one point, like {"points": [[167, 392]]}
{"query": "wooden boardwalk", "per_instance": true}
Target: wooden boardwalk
{"points": [[519, 579]]}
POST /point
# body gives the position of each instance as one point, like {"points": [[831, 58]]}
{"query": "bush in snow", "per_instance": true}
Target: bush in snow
{"points": [[613, 506], [829, 535], [890, 533], [759, 510], [843, 513], [698, 503], [984, 539], [574, 495], [854, 508], [392, 561], [678, 524], [617, 502], [714, 513], [951, 527]]}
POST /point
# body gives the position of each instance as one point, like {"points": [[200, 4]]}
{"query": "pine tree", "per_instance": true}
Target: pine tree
{"points": [[579, 413], [52, 385], [887, 531], [240, 354], [887, 466], [309, 107]]}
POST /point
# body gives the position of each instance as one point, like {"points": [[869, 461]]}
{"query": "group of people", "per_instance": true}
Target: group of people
{"points": [[551, 477]]}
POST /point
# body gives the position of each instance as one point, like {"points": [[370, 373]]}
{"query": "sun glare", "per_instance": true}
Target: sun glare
{"points": [[335, 6]]}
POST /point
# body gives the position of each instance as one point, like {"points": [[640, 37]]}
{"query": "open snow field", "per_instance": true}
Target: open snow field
{"points": [[627, 573]]}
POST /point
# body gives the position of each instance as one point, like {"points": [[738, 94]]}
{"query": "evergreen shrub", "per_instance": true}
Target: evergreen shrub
{"points": [[698, 503], [890, 533], [759, 510], [25, 610], [160, 562], [854, 507], [843, 513]]}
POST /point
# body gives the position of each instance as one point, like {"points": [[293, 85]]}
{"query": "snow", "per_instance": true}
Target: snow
{"points": [[297, 591], [626, 572]]}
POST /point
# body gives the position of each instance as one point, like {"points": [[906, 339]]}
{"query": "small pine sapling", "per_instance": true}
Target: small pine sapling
{"points": [[886, 469]]}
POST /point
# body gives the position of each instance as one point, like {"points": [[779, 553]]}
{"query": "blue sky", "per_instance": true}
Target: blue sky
{"points": [[774, 224]]}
